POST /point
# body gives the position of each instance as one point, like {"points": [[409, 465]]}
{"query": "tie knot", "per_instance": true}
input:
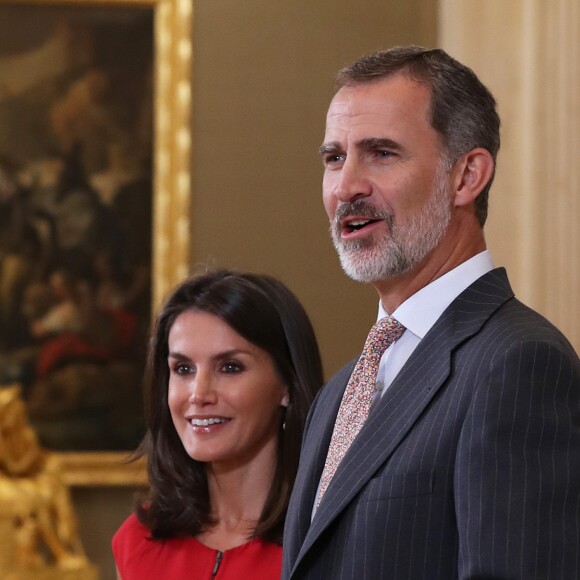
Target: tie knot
{"points": [[382, 335]]}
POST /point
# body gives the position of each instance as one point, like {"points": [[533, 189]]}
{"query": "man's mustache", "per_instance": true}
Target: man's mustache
{"points": [[361, 209]]}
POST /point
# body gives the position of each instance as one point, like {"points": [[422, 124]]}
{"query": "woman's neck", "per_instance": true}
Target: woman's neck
{"points": [[237, 497]]}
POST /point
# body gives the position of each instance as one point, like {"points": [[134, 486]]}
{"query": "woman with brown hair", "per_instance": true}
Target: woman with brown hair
{"points": [[233, 368]]}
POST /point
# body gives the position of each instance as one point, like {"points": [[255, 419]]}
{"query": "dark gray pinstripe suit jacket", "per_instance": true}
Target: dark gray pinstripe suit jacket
{"points": [[468, 468]]}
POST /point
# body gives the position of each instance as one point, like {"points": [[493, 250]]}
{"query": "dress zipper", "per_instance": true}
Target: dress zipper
{"points": [[218, 560]]}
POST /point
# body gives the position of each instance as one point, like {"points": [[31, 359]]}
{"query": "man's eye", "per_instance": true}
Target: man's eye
{"points": [[384, 154], [332, 159], [232, 367]]}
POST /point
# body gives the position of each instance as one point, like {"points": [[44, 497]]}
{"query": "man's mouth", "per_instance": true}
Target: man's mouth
{"points": [[357, 224], [351, 218]]}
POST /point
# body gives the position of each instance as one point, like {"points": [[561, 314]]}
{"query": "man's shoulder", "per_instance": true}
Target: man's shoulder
{"points": [[492, 296], [524, 324], [507, 326]]}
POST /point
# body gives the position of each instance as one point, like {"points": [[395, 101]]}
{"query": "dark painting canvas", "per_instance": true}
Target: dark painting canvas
{"points": [[75, 217]]}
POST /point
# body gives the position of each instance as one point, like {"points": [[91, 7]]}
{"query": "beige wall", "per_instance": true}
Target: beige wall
{"points": [[527, 52], [263, 76]]}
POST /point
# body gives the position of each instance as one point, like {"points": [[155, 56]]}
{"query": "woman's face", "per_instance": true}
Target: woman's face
{"points": [[225, 394]]}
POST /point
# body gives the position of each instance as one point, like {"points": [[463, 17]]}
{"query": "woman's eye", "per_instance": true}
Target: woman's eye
{"points": [[183, 369], [232, 367]]}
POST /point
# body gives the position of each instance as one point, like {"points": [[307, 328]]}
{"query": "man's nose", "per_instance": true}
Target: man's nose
{"points": [[353, 182]]}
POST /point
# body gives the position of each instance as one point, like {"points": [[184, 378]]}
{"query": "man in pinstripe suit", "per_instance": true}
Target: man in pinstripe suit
{"points": [[468, 465]]}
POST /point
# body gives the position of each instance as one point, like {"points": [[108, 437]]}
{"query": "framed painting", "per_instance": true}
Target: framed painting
{"points": [[95, 144]]}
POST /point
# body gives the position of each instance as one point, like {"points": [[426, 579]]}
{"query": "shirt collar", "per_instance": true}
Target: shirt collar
{"points": [[421, 310]]}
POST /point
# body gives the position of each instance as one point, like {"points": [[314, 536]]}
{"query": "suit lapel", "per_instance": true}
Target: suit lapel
{"points": [[405, 400], [313, 456]]}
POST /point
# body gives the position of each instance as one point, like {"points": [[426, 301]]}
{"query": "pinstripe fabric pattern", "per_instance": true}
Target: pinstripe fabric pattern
{"points": [[468, 468]]}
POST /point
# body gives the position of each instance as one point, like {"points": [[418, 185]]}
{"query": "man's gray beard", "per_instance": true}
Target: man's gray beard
{"points": [[402, 247]]}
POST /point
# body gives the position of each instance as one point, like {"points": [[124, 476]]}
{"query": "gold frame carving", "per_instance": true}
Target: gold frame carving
{"points": [[171, 198], [102, 469]]}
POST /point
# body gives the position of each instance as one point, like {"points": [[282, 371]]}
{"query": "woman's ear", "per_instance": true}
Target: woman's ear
{"points": [[472, 172], [285, 400]]}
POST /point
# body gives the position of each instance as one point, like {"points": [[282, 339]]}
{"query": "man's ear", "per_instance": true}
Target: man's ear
{"points": [[472, 172]]}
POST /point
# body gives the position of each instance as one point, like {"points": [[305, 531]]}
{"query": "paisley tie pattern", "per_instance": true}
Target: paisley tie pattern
{"points": [[358, 396]]}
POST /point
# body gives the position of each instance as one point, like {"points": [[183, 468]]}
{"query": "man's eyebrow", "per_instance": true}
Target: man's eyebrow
{"points": [[367, 144], [332, 147], [374, 143]]}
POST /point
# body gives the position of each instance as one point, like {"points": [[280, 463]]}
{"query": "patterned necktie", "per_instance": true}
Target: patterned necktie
{"points": [[358, 396]]}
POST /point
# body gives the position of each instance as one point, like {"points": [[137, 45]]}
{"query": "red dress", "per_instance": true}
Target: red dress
{"points": [[139, 558]]}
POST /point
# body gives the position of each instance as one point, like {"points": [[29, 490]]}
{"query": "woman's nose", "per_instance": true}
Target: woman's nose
{"points": [[202, 391]]}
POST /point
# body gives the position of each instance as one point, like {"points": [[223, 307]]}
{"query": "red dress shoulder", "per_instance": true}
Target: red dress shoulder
{"points": [[140, 558]]}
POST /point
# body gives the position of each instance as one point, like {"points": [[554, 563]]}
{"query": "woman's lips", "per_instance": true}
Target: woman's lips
{"points": [[208, 424]]}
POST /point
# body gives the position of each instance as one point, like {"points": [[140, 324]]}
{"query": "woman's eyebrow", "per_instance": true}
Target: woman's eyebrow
{"points": [[219, 355]]}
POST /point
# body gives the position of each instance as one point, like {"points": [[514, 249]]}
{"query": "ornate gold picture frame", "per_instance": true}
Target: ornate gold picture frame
{"points": [[171, 42]]}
